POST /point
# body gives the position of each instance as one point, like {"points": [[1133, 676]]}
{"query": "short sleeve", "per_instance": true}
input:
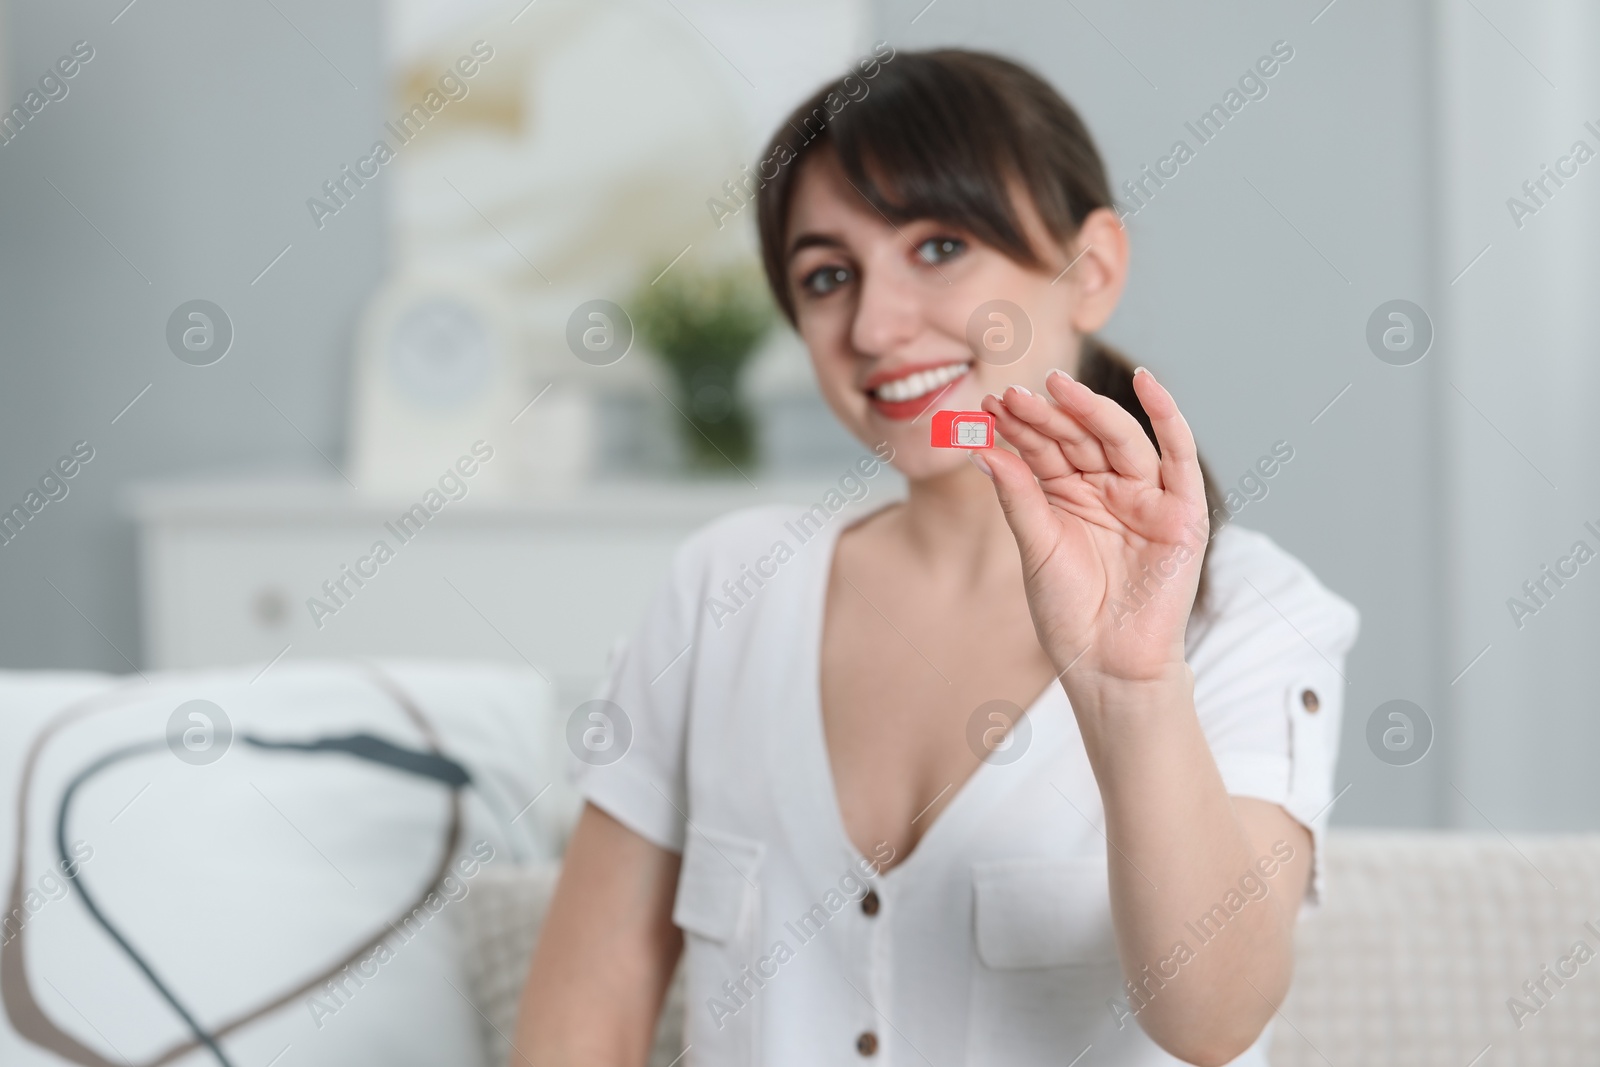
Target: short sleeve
{"points": [[1269, 668], [630, 761]]}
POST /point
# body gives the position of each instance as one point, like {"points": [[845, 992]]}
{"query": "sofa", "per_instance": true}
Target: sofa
{"points": [[342, 863], [1422, 940]]}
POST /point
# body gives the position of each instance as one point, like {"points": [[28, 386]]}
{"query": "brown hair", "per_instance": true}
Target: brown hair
{"points": [[947, 135]]}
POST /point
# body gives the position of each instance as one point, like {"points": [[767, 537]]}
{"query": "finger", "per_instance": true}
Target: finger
{"points": [[1180, 461], [1026, 510], [1128, 450], [1080, 447], [1042, 452]]}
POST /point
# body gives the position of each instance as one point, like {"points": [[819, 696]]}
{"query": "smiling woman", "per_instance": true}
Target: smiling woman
{"points": [[971, 150], [1187, 735]]}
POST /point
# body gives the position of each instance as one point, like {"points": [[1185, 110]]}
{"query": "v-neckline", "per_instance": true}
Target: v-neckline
{"points": [[1046, 731]]}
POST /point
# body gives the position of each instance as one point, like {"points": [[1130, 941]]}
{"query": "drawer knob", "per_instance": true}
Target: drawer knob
{"points": [[271, 607]]}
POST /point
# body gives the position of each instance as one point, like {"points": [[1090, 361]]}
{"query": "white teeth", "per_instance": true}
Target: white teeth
{"points": [[921, 383]]}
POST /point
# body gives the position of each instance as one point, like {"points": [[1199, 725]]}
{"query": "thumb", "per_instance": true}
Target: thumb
{"points": [[1026, 510]]}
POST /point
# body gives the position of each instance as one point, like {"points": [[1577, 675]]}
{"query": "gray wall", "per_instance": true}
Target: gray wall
{"points": [[1519, 412], [193, 138], [190, 142], [1253, 301]]}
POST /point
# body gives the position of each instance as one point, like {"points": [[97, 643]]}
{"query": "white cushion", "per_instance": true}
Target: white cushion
{"points": [[238, 879]]}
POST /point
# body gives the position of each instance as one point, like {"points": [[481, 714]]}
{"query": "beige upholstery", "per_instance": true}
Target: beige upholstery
{"points": [[1425, 937], [1410, 963], [500, 921]]}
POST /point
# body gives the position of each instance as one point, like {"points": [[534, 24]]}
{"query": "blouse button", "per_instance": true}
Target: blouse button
{"points": [[867, 1043], [1308, 698], [870, 903]]}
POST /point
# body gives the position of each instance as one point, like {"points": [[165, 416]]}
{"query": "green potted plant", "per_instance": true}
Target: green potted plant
{"points": [[704, 324]]}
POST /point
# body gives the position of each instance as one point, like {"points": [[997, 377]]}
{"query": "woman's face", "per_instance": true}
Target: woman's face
{"points": [[885, 310]]}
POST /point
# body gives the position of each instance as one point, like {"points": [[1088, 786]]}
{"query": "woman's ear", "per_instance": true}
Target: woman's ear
{"points": [[1101, 270]]}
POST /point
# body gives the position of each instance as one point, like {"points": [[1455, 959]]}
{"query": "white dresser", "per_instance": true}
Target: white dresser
{"points": [[227, 570]]}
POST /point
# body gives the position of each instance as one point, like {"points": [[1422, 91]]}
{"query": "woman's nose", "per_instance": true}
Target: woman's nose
{"points": [[889, 314]]}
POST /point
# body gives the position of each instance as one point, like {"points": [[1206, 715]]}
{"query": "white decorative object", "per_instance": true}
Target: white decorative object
{"points": [[439, 366], [554, 439]]}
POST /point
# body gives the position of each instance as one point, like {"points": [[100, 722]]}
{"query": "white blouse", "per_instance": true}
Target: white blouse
{"points": [[991, 942]]}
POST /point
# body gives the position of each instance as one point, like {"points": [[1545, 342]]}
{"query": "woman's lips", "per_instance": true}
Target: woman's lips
{"points": [[928, 383]]}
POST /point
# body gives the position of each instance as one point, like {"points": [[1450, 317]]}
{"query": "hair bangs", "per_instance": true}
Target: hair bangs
{"points": [[960, 137], [926, 148]]}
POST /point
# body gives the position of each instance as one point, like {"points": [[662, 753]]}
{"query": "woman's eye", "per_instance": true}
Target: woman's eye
{"points": [[939, 249], [825, 280]]}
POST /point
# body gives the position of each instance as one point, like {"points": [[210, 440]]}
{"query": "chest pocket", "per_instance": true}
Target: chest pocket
{"points": [[1045, 961], [718, 907]]}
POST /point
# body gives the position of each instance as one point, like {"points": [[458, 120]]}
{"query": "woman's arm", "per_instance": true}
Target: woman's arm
{"points": [[1112, 535], [1178, 845], [606, 952]]}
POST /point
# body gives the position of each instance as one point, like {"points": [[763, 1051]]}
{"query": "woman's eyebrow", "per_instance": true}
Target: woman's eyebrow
{"points": [[813, 240]]}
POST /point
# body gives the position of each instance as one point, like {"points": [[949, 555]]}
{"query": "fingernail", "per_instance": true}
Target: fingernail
{"points": [[1057, 370], [1142, 370], [1023, 389], [982, 464]]}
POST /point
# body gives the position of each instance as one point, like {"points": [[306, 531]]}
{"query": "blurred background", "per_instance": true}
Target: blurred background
{"points": [[369, 316]]}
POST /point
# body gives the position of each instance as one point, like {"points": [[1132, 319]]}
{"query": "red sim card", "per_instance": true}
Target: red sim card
{"points": [[963, 429]]}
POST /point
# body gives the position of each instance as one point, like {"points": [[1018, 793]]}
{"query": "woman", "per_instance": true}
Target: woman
{"points": [[834, 804]]}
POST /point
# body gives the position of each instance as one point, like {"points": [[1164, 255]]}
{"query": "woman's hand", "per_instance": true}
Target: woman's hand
{"points": [[1111, 533], [1112, 536]]}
